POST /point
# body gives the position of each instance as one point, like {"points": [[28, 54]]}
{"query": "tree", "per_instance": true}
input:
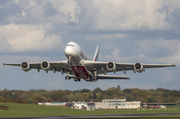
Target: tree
{"points": [[97, 90], [85, 90], [3, 100], [56, 95], [174, 93], [178, 102], [9, 96], [37, 98], [159, 89], [119, 87], [94, 96], [32, 101], [127, 90]]}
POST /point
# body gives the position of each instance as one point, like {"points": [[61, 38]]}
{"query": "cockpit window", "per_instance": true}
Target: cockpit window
{"points": [[70, 45]]}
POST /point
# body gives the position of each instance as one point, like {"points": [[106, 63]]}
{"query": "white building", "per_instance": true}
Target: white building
{"points": [[117, 104], [80, 105], [59, 104]]}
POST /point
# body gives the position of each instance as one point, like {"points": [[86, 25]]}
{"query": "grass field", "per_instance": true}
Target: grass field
{"points": [[32, 110]]}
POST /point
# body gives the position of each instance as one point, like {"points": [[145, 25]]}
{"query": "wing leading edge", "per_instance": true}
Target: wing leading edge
{"points": [[101, 67], [60, 66]]}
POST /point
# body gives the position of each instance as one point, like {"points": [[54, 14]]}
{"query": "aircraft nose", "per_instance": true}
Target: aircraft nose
{"points": [[68, 51]]}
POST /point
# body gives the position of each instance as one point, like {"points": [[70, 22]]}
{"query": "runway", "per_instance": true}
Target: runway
{"points": [[114, 116], [102, 116]]}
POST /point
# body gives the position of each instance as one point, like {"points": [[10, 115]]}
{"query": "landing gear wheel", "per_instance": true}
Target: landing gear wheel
{"points": [[67, 77], [75, 79]]}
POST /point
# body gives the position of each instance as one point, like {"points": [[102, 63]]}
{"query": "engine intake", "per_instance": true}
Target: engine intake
{"points": [[25, 66], [45, 66], [139, 67], [111, 66]]}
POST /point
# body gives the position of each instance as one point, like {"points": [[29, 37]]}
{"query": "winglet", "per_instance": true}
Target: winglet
{"points": [[96, 55]]}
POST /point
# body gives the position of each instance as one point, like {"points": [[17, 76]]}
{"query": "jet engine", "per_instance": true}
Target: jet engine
{"points": [[139, 67], [45, 66], [25, 66], [111, 66]]}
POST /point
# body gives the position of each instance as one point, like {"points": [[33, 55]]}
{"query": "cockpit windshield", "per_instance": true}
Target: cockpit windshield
{"points": [[70, 45]]}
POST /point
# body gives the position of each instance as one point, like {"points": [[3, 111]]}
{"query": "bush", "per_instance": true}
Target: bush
{"points": [[178, 102], [31, 101], [3, 100]]}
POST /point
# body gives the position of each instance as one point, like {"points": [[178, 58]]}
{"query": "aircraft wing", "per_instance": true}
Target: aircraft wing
{"points": [[158, 65], [111, 77], [60, 66], [101, 67]]}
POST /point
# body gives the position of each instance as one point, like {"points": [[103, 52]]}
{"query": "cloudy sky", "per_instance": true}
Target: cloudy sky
{"points": [[127, 31]]}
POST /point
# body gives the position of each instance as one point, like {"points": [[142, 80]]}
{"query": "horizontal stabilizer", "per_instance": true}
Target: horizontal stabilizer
{"points": [[111, 77]]}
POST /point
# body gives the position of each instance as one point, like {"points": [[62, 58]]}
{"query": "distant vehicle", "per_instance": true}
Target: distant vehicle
{"points": [[79, 67], [162, 106], [154, 106]]}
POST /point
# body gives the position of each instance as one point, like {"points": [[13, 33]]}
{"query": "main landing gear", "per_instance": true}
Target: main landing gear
{"points": [[75, 79], [67, 77]]}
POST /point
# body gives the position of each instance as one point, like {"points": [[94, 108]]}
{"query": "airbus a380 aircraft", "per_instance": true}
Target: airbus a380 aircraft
{"points": [[79, 67]]}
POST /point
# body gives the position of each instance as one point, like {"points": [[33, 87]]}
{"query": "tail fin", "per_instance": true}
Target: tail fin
{"points": [[96, 55]]}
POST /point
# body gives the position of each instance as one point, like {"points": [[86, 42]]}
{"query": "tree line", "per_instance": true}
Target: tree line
{"points": [[159, 95]]}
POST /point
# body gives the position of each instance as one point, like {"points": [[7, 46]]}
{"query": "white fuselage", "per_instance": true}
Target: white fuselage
{"points": [[76, 55], [75, 52]]}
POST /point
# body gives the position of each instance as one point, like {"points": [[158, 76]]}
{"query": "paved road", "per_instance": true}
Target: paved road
{"points": [[103, 116]]}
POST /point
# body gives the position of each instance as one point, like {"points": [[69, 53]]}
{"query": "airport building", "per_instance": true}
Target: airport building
{"points": [[117, 104], [105, 104], [59, 104]]}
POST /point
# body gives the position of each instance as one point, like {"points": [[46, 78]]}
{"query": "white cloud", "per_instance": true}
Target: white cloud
{"points": [[57, 12], [4, 45], [172, 59], [21, 58], [15, 1], [96, 37], [29, 37], [23, 13], [102, 14], [152, 46], [147, 50], [131, 15], [68, 7]]}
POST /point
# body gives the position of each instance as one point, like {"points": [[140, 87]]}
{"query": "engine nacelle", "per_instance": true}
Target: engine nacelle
{"points": [[139, 67], [45, 66], [25, 66], [111, 66]]}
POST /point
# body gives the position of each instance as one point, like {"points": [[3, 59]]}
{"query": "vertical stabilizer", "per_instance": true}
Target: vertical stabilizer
{"points": [[96, 55]]}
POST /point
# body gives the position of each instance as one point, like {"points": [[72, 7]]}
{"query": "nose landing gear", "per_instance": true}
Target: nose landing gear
{"points": [[70, 60]]}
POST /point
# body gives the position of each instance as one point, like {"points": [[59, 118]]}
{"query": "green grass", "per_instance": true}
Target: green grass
{"points": [[32, 110], [174, 106]]}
